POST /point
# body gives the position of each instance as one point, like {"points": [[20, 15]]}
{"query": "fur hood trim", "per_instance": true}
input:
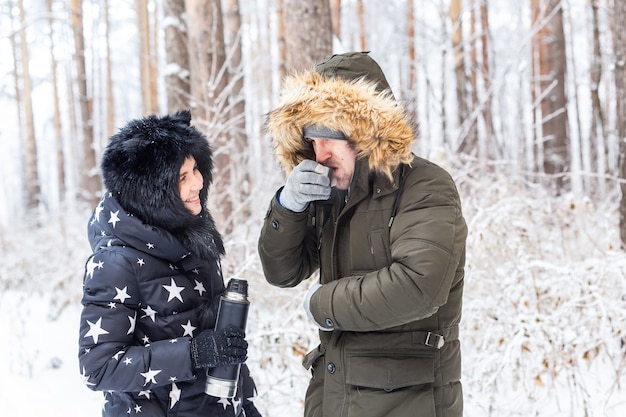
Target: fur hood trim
{"points": [[374, 123], [141, 168]]}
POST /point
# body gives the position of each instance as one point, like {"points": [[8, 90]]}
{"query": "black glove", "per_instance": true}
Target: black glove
{"points": [[251, 410], [223, 347]]}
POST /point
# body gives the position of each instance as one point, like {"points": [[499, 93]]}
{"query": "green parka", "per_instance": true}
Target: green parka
{"points": [[390, 253]]}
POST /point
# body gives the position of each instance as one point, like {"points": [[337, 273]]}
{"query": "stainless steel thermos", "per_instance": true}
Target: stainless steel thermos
{"points": [[233, 311]]}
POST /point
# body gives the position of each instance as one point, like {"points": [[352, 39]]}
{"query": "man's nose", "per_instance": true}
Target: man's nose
{"points": [[322, 153]]}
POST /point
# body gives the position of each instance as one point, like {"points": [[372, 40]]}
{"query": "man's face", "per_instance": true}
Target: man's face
{"points": [[338, 155]]}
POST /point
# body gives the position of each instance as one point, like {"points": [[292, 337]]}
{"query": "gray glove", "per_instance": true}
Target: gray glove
{"points": [[223, 347], [309, 181]]}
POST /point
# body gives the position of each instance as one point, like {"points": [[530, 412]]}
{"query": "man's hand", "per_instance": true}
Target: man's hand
{"points": [[309, 181]]}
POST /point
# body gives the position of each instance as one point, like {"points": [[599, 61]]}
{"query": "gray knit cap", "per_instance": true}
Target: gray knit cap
{"points": [[323, 132]]}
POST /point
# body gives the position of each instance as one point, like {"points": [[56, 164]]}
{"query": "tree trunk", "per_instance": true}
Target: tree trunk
{"points": [[209, 95], [360, 11], [335, 15], [619, 13], [308, 32], [598, 138], [176, 56], [58, 127], [281, 39], [467, 144], [412, 76], [240, 187], [146, 59], [486, 72], [31, 172], [110, 99], [471, 98], [90, 179], [549, 51]]}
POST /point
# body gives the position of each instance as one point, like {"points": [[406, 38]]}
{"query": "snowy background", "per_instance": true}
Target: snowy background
{"points": [[544, 326], [543, 333]]}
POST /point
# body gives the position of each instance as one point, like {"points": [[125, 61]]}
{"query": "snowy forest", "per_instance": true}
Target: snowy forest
{"points": [[523, 102]]}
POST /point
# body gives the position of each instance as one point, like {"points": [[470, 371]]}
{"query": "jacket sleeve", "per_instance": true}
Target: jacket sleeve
{"points": [[287, 246], [427, 247], [111, 355]]}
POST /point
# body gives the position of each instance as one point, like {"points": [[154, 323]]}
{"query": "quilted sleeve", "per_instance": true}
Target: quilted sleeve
{"points": [[111, 357]]}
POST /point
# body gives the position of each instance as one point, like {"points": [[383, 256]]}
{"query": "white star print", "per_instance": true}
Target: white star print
{"points": [[85, 378], [224, 402], [95, 330], [140, 262], [173, 378], [128, 361], [118, 354], [188, 329], [150, 245], [174, 395], [254, 393], [91, 266], [99, 209], [174, 291], [149, 313], [122, 294], [150, 376], [236, 404], [112, 305], [114, 219], [145, 340], [137, 408], [145, 393], [132, 320], [199, 287]]}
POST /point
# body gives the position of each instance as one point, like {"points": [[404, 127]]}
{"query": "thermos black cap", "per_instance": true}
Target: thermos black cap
{"points": [[239, 286]]}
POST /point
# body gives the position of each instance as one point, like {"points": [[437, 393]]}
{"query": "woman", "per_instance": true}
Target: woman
{"points": [[152, 285]]}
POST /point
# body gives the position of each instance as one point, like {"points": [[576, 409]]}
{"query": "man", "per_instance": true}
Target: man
{"points": [[385, 229]]}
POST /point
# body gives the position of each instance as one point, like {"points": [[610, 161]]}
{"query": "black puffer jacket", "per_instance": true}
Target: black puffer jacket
{"points": [[154, 279], [143, 300]]}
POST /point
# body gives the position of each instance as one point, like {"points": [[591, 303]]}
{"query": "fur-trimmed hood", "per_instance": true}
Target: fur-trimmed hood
{"points": [[374, 123], [141, 168]]}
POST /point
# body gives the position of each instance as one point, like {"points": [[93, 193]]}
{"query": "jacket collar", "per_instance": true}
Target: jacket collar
{"points": [[111, 225]]}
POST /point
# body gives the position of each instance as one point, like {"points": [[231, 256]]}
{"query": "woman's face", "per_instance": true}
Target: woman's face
{"points": [[190, 183]]}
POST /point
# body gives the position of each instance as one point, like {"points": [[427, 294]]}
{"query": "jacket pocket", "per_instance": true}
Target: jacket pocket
{"points": [[389, 371], [390, 384], [380, 248], [370, 251]]}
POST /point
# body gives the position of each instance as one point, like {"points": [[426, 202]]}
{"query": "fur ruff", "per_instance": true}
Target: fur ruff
{"points": [[377, 127]]}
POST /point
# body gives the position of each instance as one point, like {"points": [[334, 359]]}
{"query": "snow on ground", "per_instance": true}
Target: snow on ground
{"points": [[543, 332]]}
